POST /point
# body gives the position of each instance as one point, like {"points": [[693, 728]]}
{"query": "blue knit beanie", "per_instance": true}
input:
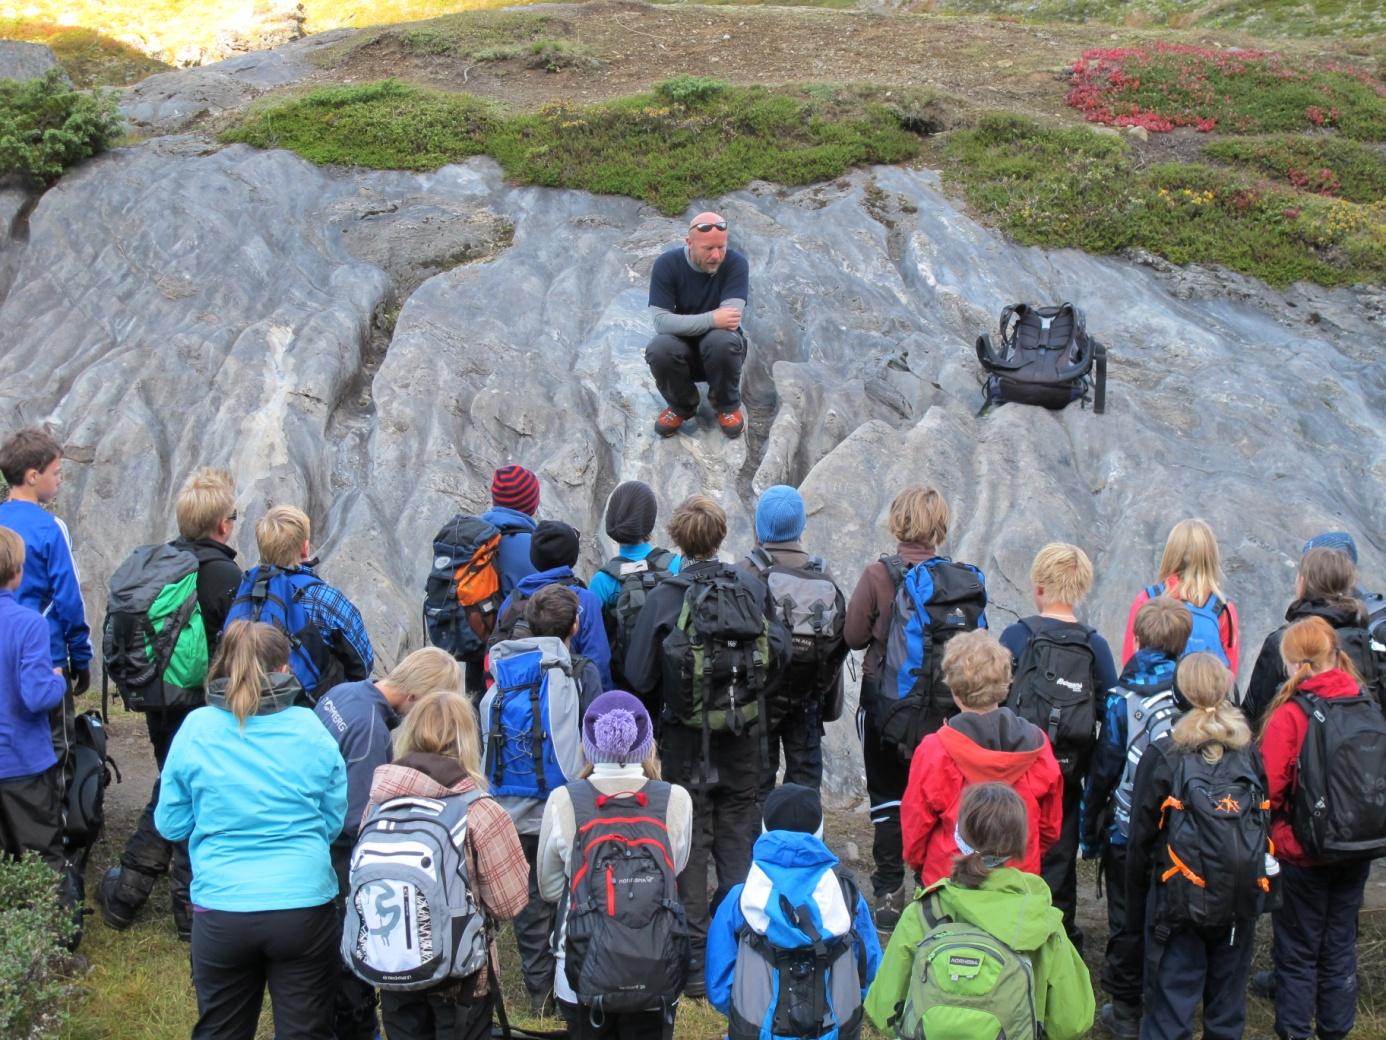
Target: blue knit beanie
{"points": [[1340, 540], [779, 515], [616, 728]]}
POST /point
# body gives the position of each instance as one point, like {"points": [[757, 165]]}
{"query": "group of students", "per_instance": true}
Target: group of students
{"points": [[572, 757]]}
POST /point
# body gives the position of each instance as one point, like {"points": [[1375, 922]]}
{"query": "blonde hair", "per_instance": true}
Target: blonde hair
{"points": [[249, 651], [206, 498], [425, 671], [698, 526], [444, 723], [11, 555], [1308, 647], [919, 514], [650, 764], [1191, 553], [1163, 623], [280, 534], [1212, 724], [1065, 572], [977, 669], [993, 821]]}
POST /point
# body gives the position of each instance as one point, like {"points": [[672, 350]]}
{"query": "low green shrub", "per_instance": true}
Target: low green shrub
{"points": [[33, 929], [47, 127], [1319, 163]]}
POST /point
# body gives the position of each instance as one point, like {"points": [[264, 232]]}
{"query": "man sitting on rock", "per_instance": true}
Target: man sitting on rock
{"points": [[697, 294]]}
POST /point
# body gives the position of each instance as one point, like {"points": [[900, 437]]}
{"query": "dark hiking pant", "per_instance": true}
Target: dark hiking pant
{"points": [[534, 927], [148, 854], [1122, 967], [1059, 867], [633, 1025], [726, 819], [680, 363], [31, 817], [1314, 949], [435, 1015], [799, 736], [353, 1014], [234, 956], [886, 776], [1193, 966]]}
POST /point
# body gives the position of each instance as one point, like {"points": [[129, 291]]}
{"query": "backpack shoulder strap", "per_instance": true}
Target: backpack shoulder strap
{"points": [[816, 563], [896, 567], [931, 907], [761, 560]]}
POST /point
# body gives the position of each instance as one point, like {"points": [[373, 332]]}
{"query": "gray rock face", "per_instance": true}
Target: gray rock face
{"points": [[23, 61], [177, 305]]}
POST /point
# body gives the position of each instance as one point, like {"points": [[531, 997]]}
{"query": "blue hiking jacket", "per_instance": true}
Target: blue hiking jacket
{"points": [[50, 583], [606, 588], [590, 640], [359, 719], [29, 690], [792, 863], [513, 560]]}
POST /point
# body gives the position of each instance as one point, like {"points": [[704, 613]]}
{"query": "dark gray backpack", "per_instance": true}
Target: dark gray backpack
{"points": [[1045, 357]]}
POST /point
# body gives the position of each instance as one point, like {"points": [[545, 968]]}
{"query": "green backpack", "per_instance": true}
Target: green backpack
{"points": [[966, 984], [155, 642]]}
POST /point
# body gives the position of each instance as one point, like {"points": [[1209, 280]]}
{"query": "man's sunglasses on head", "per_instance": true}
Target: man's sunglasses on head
{"points": [[720, 225]]}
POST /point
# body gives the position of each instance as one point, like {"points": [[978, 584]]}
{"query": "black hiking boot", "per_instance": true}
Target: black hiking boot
{"points": [[1120, 1019], [115, 913], [1262, 985]]}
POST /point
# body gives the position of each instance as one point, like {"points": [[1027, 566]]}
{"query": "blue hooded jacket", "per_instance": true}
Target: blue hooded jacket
{"points": [[794, 863], [513, 559], [590, 640]]}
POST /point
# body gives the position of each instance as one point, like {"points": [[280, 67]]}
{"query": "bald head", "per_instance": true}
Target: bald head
{"points": [[707, 248]]}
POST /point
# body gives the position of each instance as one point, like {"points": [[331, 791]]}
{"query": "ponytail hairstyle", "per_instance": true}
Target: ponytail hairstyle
{"points": [[444, 723], [1328, 576], [1212, 724], [1308, 647], [1191, 553], [992, 830], [249, 651]]}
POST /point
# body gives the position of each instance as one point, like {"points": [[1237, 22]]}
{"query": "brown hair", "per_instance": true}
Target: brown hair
{"points": [[993, 822], [551, 611], [280, 534], [206, 498], [1065, 572], [424, 671], [1191, 553], [919, 514], [27, 449], [444, 723], [249, 651], [1308, 647], [1163, 623], [1328, 576], [11, 555], [977, 669], [1212, 724], [698, 527]]}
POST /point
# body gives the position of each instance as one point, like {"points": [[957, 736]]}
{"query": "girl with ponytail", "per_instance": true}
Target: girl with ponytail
{"points": [[985, 891], [257, 788], [1314, 949]]}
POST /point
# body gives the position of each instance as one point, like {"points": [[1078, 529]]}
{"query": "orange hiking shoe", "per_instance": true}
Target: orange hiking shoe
{"points": [[667, 422], [732, 422]]}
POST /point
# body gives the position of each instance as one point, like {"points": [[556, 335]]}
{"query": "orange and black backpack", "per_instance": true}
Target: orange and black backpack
{"points": [[1217, 864], [463, 590]]}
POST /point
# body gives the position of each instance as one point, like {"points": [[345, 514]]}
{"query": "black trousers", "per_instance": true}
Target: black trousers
{"points": [[234, 956], [799, 736], [633, 1025], [1059, 867], [1122, 967], [1314, 949], [1194, 966], [435, 1015], [353, 1014], [886, 776], [534, 927], [680, 363], [31, 817]]}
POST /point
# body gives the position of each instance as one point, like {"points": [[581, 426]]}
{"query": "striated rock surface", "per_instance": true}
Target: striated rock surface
{"points": [[22, 60], [370, 345]]}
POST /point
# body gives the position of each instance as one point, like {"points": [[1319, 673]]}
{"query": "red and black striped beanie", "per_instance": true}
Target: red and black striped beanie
{"points": [[514, 487]]}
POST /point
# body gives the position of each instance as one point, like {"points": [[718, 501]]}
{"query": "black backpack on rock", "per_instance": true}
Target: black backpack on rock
{"points": [[1056, 688], [1045, 357], [1338, 811]]}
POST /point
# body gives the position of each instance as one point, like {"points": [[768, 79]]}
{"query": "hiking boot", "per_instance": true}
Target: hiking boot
{"points": [[541, 1005], [667, 422], [1120, 1019], [890, 906], [1262, 985], [732, 422], [696, 988], [113, 912]]}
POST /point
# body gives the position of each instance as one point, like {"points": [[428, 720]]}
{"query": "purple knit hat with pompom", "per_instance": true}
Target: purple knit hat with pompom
{"points": [[617, 729]]}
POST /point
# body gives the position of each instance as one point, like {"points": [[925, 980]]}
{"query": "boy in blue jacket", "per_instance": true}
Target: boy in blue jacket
{"points": [[514, 501], [30, 687], [793, 899], [31, 462]]}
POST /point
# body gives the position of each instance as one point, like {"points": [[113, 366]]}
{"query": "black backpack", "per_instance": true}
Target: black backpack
{"points": [[1055, 687], [1046, 357], [1338, 810], [1216, 844], [84, 809], [1366, 648], [814, 612], [635, 580]]}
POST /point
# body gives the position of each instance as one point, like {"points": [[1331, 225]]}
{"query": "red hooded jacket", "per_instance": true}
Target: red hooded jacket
{"points": [[1280, 746], [976, 749]]}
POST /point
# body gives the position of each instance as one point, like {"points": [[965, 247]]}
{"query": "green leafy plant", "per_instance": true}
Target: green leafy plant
{"points": [[33, 929], [47, 127]]}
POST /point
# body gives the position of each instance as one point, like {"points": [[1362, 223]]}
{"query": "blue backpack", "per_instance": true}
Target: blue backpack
{"points": [[273, 596], [531, 719], [1206, 636], [934, 601]]}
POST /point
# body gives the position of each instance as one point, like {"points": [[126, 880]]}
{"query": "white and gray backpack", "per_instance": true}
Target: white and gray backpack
{"points": [[412, 920]]}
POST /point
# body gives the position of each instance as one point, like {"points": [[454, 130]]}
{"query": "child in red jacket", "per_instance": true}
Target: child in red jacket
{"points": [[984, 742], [1314, 949]]}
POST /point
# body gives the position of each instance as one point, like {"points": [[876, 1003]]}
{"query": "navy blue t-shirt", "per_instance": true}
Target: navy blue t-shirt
{"points": [[678, 288], [1016, 638]]}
